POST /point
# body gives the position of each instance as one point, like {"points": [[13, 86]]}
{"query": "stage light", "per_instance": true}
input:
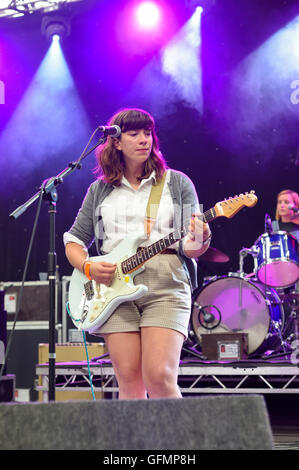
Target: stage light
{"points": [[148, 15], [204, 4], [55, 27], [55, 38]]}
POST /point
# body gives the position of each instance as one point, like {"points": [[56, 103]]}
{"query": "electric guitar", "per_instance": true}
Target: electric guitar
{"points": [[91, 304]]}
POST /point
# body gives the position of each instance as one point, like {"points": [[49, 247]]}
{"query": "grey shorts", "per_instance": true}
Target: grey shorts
{"points": [[167, 303]]}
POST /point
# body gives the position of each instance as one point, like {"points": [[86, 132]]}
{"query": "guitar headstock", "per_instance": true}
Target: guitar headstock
{"points": [[229, 207]]}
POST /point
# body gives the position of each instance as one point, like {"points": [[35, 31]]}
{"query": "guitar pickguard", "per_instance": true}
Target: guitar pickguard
{"points": [[121, 287], [91, 303]]}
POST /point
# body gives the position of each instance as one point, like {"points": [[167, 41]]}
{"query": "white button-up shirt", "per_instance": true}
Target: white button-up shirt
{"points": [[123, 212]]}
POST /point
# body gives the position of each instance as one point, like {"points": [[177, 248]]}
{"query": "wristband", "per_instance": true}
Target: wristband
{"points": [[86, 267]]}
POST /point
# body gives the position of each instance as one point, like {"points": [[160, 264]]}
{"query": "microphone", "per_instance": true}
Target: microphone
{"points": [[268, 224], [114, 131], [293, 208]]}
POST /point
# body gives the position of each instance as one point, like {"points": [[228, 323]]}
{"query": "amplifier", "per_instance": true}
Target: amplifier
{"points": [[71, 352], [35, 300], [7, 388]]}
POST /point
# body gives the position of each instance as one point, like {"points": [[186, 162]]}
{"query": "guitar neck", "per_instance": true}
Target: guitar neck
{"points": [[148, 252]]}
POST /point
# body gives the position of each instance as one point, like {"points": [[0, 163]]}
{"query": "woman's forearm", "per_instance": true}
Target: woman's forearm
{"points": [[76, 255]]}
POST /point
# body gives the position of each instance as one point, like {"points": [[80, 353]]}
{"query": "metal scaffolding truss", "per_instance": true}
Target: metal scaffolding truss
{"points": [[75, 377], [236, 379], [17, 8], [193, 379]]}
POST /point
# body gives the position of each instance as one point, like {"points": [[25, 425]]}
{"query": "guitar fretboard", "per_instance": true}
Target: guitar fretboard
{"points": [[148, 252]]}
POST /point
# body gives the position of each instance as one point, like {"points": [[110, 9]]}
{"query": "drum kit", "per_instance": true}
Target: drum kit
{"points": [[262, 304]]}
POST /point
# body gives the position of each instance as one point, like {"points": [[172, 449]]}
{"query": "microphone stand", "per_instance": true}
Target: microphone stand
{"points": [[49, 193]]}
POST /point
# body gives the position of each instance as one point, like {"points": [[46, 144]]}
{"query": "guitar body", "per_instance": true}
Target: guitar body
{"points": [[90, 312]]}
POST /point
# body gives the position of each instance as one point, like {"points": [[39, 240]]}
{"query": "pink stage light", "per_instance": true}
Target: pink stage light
{"points": [[148, 15]]}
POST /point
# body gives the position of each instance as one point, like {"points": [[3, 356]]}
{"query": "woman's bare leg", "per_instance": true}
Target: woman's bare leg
{"points": [[161, 350], [125, 354]]}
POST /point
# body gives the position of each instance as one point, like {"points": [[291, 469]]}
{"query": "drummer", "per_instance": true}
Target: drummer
{"points": [[287, 217]]}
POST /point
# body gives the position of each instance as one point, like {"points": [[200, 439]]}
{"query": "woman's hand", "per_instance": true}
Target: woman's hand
{"points": [[102, 272], [199, 231], [198, 239]]}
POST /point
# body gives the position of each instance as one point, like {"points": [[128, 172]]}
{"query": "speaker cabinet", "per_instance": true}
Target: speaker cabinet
{"points": [[203, 423]]}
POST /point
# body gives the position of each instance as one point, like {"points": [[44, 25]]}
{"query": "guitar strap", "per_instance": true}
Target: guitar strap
{"points": [[153, 205]]}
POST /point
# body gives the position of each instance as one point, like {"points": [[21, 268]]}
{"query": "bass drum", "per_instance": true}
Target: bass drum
{"points": [[235, 305]]}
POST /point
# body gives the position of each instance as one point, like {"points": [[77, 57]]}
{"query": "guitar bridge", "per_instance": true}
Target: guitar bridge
{"points": [[88, 288]]}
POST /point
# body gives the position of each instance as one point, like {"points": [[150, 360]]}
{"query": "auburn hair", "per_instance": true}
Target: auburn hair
{"points": [[294, 196], [110, 162]]}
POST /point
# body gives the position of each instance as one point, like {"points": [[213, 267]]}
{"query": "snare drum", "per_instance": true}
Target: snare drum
{"points": [[277, 259], [235, 305]]}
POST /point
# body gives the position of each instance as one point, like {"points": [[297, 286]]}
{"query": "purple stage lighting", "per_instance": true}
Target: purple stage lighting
{"points": [[148, 15], [49, 120]]}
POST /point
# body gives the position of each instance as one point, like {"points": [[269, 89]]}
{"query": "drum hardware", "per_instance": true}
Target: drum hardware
{"points": [[239, 274], [290, 330], [191, 344], [292, 327], [208, 279], [207, 319], [283, 343], [290, 299], [295, 319], [253, 251], [268, 301], [268, 224]]}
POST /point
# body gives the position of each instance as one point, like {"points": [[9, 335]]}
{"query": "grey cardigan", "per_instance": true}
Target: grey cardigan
{"points": [[88, 225]]}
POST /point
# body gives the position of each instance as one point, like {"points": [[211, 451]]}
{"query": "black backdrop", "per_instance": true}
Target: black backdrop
{"points": [[245, 138]]}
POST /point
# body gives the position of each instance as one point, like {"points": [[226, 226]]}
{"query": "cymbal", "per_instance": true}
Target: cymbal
{"points": [[214, 255]]}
